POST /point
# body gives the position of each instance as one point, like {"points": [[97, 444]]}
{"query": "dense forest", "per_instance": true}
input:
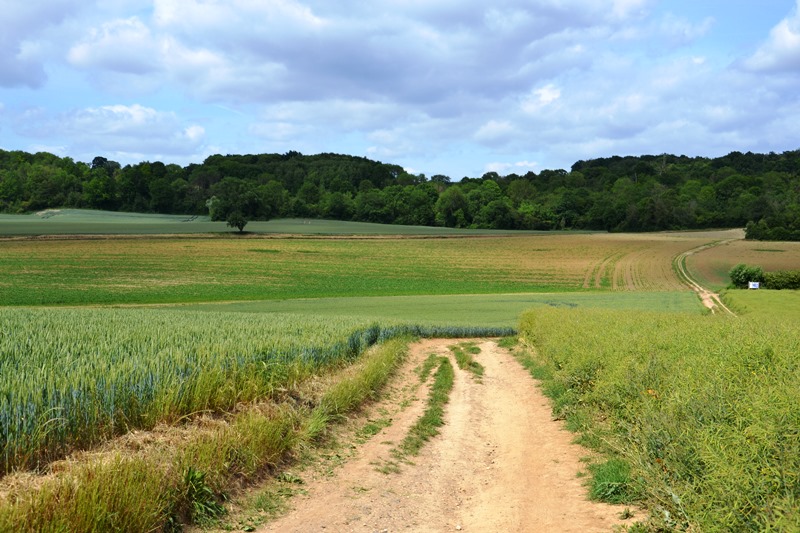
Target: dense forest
{"points": [[645, 193]]}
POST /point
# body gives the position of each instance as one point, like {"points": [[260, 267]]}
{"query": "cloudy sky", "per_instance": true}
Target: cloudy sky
{"points": [[455, 87]]}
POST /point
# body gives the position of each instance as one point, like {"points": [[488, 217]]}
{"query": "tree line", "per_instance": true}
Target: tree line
{"points": [[633, 193]]}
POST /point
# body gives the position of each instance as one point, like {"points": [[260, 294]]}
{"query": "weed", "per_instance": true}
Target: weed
{"points": [[508, 342], [463, 353], [427, 367], [433, 417], [610, 481], [372, 428]]}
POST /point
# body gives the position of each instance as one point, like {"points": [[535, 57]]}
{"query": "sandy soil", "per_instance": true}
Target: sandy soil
{"points": [[500, 464]]}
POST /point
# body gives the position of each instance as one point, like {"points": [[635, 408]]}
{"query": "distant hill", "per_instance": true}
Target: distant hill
{"points": [[632, 193]]}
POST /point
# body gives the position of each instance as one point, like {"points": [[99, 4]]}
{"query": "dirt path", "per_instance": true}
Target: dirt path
{"points": [[499, 464], [709, 298]]}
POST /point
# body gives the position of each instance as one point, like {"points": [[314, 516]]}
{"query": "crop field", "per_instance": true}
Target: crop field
{"points": [[494, 310], [102, 335], [74, 377], [643, 262], [711, 266], [82, 271], [700, 413], [90, 222]]}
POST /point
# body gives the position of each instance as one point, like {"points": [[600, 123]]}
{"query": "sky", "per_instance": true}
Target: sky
{"points": [[453, 87]]}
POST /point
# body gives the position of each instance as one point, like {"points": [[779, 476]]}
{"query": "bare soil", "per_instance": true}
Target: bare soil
{"points": [[499, 464]]}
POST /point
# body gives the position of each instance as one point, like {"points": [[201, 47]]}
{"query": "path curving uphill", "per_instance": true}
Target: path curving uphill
{"points": [[709, 298], [500, 463]]}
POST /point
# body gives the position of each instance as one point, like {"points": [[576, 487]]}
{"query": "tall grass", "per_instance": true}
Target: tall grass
{"points": [[182, 483], [74, 377], [704, 411]]}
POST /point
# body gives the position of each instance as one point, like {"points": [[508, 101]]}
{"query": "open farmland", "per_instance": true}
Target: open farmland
{"points": [[495, 310], [711, 266], [242, 322], [93, 222], [70, 271], [781, 305]]}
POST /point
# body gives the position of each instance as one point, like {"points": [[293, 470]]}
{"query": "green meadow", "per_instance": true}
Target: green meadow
{"points": [[92, 222]]}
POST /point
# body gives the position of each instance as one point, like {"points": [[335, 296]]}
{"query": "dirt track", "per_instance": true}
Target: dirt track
{"points": [[500, 464]]}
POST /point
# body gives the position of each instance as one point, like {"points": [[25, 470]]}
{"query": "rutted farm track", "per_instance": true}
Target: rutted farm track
{"points": [[709, 298], [500, 463]]}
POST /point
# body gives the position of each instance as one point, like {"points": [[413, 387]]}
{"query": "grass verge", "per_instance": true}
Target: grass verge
{"points": [[696, 418]]}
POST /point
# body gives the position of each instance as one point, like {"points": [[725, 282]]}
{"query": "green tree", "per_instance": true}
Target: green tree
{"points": [[234, 194], [451, 208], [236, 220]]}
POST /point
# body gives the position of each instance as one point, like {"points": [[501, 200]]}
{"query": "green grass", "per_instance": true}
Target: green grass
{"points": [[463, 353], [432, 419], [764, 303], [704, 410], [187, 481], [462, 309], [611, 481], [91, 222]]}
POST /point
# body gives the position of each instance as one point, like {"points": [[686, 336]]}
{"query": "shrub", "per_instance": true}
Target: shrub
{"points": [[742, 274], [784, 279]]}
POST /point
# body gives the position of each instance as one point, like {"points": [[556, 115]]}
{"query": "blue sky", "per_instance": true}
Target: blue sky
{"points": [[455, 87]]}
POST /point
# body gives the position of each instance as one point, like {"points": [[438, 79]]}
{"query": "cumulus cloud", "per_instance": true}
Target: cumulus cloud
{"points": [[124, 45], [22, 26], [781, 51], [409, 81], [416, 53], [120, 129]]}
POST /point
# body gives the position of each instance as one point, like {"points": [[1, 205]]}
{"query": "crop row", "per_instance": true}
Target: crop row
{"points": [[704, 411], [74, 377]]}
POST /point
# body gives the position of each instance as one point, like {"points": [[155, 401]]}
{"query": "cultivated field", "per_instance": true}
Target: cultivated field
{"points": [[67, 271], [235, 341], [89, 222], [701, 415], [711, 266]]}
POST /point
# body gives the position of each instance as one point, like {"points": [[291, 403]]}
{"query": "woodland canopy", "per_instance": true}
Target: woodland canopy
{"points": [[635, 193]]}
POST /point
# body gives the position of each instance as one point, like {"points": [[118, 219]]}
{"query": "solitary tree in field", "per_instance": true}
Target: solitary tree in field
{"points": [[236, 220]]}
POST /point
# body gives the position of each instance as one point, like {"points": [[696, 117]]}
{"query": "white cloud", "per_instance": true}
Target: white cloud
{"points": [[781, 51], [22, 26], [121, 129], [409, 81], [628, 8], [519, 167], [123, 45], [540, 98], [494, 131]]}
